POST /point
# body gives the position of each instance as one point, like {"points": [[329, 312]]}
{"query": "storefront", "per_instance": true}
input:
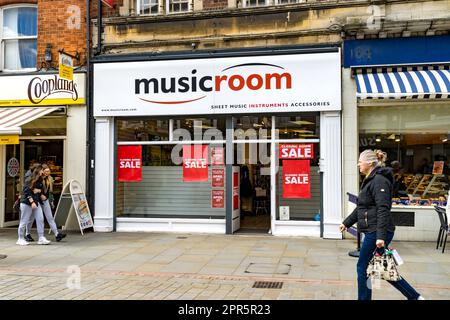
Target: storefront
{"points": [[220, 143], [401, 105], [42, 119]]}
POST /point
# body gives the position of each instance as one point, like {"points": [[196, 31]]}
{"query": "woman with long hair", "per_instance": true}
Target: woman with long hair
{"points": [[373, 217], [31, 204]]}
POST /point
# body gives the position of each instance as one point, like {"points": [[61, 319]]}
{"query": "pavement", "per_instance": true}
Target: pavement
{"points": [[172, 266]]}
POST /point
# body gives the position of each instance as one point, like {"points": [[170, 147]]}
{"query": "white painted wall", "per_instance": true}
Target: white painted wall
{"points": [[75, 153], [350, 140], [104, 174], [331, 163]]}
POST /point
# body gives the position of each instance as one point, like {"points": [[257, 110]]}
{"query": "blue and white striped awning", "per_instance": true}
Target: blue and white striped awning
{"points": [[431, 82]]}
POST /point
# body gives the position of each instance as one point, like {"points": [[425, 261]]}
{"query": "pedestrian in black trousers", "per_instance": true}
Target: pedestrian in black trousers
{"points": [[373, 218]]}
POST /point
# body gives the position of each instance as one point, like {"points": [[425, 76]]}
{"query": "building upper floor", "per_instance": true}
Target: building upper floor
{"points": [[172, 25]]}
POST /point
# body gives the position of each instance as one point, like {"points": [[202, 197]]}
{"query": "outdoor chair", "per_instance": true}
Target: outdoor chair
{"points": [[443, 229]]}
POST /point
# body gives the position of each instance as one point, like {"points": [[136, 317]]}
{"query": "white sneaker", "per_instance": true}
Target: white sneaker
{"points": [[420, 298], [22, 242], [43, 241]]}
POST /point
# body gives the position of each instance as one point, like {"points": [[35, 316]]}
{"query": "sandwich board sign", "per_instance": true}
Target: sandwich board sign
{"points": [[73, 202]]}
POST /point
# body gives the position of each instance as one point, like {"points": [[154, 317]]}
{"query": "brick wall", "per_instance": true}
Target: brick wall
{"points": [[62, 24], [215, 4]]}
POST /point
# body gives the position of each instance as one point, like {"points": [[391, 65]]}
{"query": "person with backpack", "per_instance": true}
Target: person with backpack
{"points": [[31, 205], [373, 218]]}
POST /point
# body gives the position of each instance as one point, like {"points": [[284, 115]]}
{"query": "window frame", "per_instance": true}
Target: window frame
{"points": [[190, 7], [2, 38], [160, 8]]}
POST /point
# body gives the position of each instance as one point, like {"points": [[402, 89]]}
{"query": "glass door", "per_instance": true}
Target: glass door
{"points": [[12, 184]]}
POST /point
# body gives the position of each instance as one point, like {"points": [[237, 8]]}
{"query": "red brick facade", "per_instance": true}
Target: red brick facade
{"points": [[215, 4], [62, 24]]}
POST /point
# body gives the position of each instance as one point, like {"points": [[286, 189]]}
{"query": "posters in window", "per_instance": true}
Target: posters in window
{"points": [[296, 151], [130, 163], [217, 178], [296, 179], [217, 156], [195, 163], [217, 199]]}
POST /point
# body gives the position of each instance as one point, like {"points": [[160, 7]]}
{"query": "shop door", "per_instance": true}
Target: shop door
{"points": [[12, 184]]}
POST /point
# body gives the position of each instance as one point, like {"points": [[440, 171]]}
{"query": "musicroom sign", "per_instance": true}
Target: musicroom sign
{"points": [[280, 83], [41, 90]]}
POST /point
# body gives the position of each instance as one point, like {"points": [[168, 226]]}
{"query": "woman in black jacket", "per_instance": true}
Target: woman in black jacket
{"points": [[31, 204], [373, 218]]}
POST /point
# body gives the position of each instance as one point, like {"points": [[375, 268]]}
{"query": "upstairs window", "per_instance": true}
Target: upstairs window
{"points": [[148, 6], [19, 38], [178, 6]]}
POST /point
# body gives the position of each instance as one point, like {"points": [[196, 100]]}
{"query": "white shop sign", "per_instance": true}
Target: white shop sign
{"points": [[279, 83]]}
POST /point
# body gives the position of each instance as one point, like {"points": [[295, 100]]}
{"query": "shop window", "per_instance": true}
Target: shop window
{"points": [[298, 127], [143, 130], [252, 127], [163, 190], [416, 139], [206, 129], [19, 38]]}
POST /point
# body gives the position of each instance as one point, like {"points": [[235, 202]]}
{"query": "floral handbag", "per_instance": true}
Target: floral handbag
{"points": [[383, 266]]}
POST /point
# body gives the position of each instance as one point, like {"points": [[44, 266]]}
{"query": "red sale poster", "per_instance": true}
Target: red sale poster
{"points": [[217, 156], [218, 199], [129, 159], [235, 190], [296, 179], [195, 163], [296, 151], [217, 178]]}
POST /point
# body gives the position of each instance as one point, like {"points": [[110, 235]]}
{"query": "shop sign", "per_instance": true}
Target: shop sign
{"points": [[296, 151], [42, 90], [195, 163], [65, 67], [9, 139], [296, 179], [217, 178], [13, 167], [217, 199], [109, 3], [278, 83], [129, 159], [438, 167], [217, 156]]}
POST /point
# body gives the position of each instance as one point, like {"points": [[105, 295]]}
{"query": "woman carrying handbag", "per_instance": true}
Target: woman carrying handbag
{"points": [[373, 218]]}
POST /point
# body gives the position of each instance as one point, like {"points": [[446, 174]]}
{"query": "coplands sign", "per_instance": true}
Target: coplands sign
{"points": [[42, 89], [279, 83]]}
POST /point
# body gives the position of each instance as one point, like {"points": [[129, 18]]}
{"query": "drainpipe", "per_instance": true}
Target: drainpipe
{"points": [[90, 124], [99, 27]]}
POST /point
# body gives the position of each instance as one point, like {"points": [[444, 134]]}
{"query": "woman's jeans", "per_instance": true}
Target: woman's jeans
{"points": [[365, 255], [26, 212], [48, 215]]}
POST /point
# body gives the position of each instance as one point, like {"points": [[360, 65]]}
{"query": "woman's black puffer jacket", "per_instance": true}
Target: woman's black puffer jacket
{"points": [[27, 192], [373, 211]]}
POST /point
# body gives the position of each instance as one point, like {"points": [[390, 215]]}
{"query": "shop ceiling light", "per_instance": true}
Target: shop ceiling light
{"points": [[397, 138], [378, 138], [300, 122]]}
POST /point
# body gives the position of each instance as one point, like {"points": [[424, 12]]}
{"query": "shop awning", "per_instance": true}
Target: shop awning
{"points": [[403, 83], [11, 119]]}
